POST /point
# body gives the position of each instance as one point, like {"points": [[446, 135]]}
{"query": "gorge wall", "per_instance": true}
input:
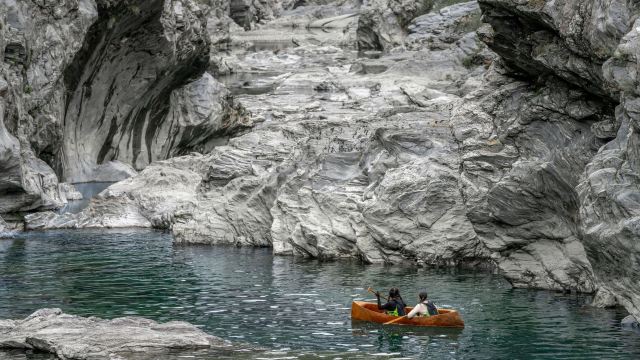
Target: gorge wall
{"points": [[90, 89], [591, 45], [507, 143]]}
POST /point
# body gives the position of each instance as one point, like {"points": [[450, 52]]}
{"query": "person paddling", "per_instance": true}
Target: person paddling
{"points": [[424, 308], [394, 305]]}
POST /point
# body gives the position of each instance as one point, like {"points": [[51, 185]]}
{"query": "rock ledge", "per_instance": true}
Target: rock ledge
{"points": [[75, 337]]}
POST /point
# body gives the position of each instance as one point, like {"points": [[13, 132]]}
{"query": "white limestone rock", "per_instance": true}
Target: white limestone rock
{"points": [[74, 337]]}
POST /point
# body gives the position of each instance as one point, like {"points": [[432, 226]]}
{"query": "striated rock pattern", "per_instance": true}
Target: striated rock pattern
{"points": [[382, 23], [122, 81], [74, 337], [437, 151], [90, 90], [592, 45], [37, 42]]}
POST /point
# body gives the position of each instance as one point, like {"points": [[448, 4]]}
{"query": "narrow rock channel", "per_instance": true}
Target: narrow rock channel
{"points": [[493, 135]]}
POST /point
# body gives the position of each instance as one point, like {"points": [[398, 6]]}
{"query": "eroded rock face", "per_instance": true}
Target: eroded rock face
{"points": [[74, 337], [524, 148], [37, 41], [92, 91], [382, 24], [435, 153], [121, 82], [593, 45], [570, 39], [3, 226]]}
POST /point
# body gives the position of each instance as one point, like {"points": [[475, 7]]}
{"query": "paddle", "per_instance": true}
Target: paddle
{"points": [[394, 320], [369, 289]]}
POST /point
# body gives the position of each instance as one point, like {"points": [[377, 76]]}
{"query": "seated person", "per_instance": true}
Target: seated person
{"points": [[424, 308], [394, 305]]}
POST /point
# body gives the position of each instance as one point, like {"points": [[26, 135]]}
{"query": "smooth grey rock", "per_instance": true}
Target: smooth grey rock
{"points": [[604, 299], [437, 29], [382, 23], [86, 83], [26, 182], [147, 200], [426, 162], [522, 153], [110, 171], [121, 82], [248, 13], [74, 337], [200, 114], [570, 38], [69, 191], [593, 45], [50, 33], [630, 322], [3, 227]]}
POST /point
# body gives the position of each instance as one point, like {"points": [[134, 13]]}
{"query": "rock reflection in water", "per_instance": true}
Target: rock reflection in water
{"points": [[88, 191], [298, 308]]}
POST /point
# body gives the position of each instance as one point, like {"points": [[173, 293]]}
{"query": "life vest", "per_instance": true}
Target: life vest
{"points": [[431, 309], [395, 311]]}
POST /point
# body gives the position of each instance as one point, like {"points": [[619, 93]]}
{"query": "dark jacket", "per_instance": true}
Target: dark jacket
{"points": [[393, 304]]}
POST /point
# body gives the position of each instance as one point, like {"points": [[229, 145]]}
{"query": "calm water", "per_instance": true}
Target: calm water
{"points": [[88, 191], [300, 308]]}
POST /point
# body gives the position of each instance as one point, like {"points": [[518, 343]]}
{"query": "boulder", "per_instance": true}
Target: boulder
{"points": [[382, 23], [74, 337], [111, 171], [70, 192]]}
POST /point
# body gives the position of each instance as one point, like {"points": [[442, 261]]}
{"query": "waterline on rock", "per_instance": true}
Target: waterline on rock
{"points": [[301, 306]]}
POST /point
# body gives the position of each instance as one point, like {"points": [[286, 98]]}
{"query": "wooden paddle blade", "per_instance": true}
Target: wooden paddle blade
{"points": [[394, 320]]}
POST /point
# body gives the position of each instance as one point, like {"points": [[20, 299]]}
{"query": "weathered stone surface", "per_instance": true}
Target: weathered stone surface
{"points": [[594, 45], [110, 171], [69, 191], [121, 82], [604, 299], [201, 114], [523, 150], [37, 42], [438, 29], [630, 322], [382, 23], [3, 226], [74, 337], [90, 88], [570, 39], [147, 200], [433, 152]]}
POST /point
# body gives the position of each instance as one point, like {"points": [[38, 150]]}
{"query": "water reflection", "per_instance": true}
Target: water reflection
{"points": [[295, 307], [88, 191]]}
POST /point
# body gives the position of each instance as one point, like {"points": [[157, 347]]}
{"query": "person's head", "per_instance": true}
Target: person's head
{"points": [[423, 296], [394, 292]]}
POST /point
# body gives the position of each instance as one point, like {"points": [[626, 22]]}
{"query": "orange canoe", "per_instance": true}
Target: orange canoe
{"points": [[366, 311]]}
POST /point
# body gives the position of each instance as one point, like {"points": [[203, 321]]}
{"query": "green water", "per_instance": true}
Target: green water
{"points": [[299, 308]]}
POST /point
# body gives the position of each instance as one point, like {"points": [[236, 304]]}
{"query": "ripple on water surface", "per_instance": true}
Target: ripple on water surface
{"points": [[298, 308]]}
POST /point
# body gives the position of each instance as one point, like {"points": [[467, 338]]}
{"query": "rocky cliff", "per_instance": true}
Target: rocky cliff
{"points": [[506, 145], [592, 46], [84, 84]]}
